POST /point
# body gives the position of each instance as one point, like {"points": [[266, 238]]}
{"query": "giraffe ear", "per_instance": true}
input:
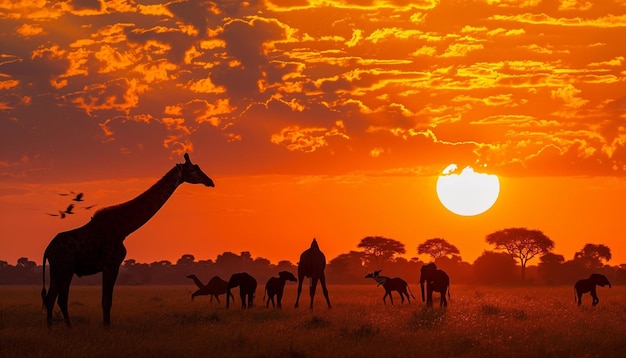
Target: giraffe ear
{"points": [[187, 161]]}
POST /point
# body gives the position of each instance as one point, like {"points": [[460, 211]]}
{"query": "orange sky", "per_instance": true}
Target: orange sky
{"points": [[314, 118]]}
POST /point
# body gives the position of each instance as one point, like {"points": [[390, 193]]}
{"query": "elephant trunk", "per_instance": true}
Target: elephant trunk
{"points": [[228, 294], [422, 288]]}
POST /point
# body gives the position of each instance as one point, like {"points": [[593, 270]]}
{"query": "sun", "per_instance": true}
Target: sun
{"points": [[467, 192]]}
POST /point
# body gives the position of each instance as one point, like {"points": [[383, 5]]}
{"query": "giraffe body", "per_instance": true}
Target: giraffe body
{"points": [[98, 246], [312, 264]]}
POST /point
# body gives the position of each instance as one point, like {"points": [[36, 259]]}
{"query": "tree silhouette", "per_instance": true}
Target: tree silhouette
{"points": [[551, 267], [186, 259], [26, 265], [522, 243], [380, 249], [437, 248], [347, 268], [592, 255], [494, 268]]}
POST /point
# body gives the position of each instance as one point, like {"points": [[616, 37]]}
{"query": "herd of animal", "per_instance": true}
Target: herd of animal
{"points": [[436, 281], [98, 246]]}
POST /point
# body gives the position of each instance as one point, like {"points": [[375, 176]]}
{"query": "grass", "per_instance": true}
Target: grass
{"points": [[157, 321]]}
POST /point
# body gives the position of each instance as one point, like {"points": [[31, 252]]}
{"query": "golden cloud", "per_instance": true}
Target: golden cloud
{"points": [[307, 139]]}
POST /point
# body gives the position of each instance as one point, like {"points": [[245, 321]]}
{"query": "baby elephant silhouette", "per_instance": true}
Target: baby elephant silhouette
{"points": [[275, 286], [589, 285], [247, 287]]}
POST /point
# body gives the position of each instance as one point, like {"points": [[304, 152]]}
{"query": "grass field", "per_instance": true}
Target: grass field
{"points": [[156, 321]]}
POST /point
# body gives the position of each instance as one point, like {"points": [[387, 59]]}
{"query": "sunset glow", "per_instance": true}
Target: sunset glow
{"points": [[327, 119]]}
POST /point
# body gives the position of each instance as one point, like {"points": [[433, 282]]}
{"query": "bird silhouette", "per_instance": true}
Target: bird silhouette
{"points": [[61, 214], [89, 207], [69, 209], [79, 197]]}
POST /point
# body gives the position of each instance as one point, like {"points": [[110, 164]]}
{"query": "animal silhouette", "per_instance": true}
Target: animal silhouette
{"points": [[78, 197], [275, 287], [391, 284], [312, 264], [214, 288], [98, 246], [436, 280], [66, 211], [247, 287], [589, 285]]}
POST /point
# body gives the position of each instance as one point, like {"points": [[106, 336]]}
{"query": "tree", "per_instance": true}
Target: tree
{"points": [[381, 249], [522, 243], [186, 259], [347, 268], [437, 248], [551, 267], [592, 255], [25, 264], [494, 268]]}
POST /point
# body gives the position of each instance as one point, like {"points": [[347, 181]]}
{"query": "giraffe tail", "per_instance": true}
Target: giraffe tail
{"points": [[43, 290]]}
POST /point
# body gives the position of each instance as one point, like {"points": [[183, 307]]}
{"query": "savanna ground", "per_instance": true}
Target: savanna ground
{"points": [[162, 321]]}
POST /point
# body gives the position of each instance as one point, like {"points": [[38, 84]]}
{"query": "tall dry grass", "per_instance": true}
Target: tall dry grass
{"points": [[164, 322]]}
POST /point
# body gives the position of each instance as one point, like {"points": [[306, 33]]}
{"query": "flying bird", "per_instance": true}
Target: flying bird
{"points": [[79, 197], [69, 209], [62, 214], [89, 207]]}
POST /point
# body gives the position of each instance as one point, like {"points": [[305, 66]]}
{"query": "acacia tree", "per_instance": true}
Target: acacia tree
{"points": [[437, 248], [380, 249], [522, 243], [592, 255]]}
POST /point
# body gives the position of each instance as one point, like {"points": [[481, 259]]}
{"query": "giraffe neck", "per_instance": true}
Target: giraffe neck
{"points": [[125, 218]]}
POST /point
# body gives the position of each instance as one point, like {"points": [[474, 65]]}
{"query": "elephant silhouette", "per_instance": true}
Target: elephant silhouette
{"points": [[247, 287], [275, 286], [589, 285], [436, 280]]}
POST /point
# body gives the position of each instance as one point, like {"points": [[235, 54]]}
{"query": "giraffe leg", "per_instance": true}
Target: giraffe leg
{"points": [[109, 276], [300, 278], [50, 300], [63, 291], [312, 290], [324, 289]]}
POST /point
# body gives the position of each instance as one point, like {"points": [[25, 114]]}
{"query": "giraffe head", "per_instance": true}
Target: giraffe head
{"points": [[193, 174]]}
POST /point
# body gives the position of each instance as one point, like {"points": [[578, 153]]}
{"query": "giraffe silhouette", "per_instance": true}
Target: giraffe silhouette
{"points": [[312, 264], [98, 246]]}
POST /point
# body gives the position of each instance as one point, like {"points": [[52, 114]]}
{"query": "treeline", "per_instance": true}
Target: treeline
{"points": [[505, 265]]}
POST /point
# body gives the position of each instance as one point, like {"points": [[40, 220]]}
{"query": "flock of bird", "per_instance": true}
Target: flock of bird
{"points": [[69, 210]]}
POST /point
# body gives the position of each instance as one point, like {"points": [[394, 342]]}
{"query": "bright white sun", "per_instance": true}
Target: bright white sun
{"points": [[466, 192]]}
